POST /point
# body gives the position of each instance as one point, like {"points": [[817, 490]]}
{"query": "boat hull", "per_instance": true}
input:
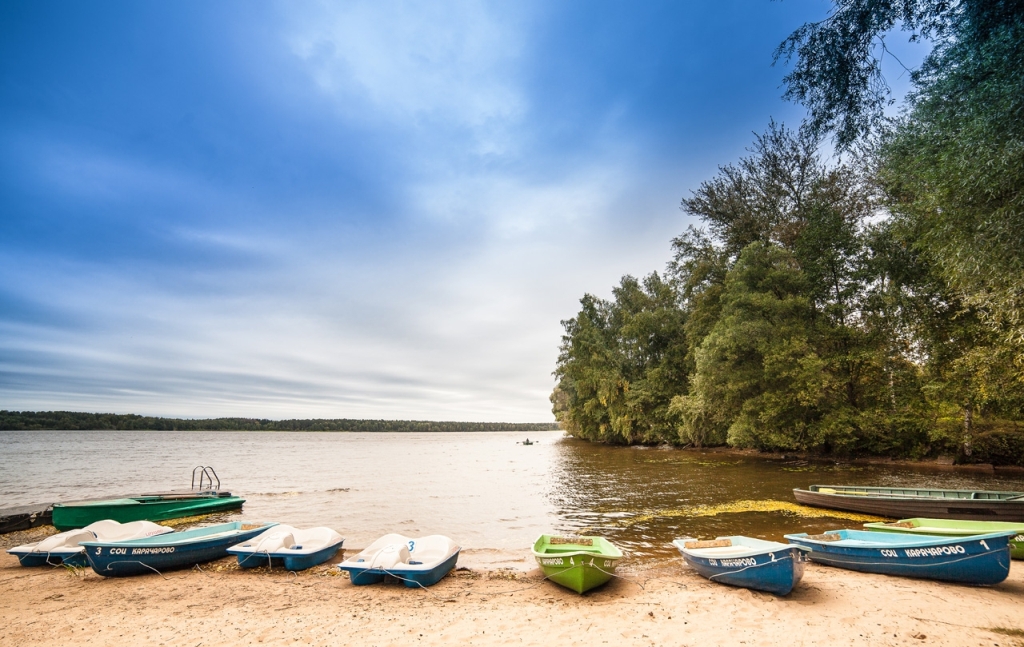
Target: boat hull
{"points": [[979, 560], [409, 577], [955, 528], [52, 558], [577, 566], [167, 552], [578, 572], [23, 518], [289, 561], [78, 515], [772, 571], [898, 503]]}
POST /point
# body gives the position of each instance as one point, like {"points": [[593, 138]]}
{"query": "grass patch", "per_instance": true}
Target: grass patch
{"points": [[768, 505]]}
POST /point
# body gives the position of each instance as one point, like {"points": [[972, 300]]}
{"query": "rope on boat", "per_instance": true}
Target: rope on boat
{"points": [[135, 561]]}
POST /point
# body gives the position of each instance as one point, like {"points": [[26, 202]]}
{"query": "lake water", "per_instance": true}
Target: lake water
{"points": [[486, 491]]}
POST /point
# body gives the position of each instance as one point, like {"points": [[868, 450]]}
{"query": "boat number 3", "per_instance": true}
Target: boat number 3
{"points": [[888, 552], [412, 545], [99, 549]]}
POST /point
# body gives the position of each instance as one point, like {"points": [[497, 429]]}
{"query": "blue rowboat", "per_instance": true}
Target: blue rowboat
{"points": [[166, 552], [744, 561], [415, 562], [980, 559], [283, 545]]}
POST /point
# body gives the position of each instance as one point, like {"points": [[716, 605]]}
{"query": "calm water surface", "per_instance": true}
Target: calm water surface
{"points": [[482, 489]]}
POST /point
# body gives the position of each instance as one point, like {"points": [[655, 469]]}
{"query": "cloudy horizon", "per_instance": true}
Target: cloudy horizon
{"points": [[349, 210]]}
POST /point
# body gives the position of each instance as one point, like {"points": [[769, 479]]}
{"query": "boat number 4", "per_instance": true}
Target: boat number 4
{"points": [[888, 552]]}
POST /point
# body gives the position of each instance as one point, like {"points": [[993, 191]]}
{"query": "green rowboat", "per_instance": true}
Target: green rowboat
{"points": [[67, 516], [955, 528], [577, 563]]}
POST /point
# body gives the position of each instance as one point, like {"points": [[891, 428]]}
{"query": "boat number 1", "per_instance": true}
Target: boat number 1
{"points": [[982, 542], [888, 552]]}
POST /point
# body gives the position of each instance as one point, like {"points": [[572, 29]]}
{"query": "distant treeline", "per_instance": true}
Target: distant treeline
{"points": [[71, 420]]}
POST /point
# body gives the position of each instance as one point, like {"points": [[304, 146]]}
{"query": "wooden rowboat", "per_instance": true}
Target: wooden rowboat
{"points": [[899, 503], [955, 528], [577, 563]]}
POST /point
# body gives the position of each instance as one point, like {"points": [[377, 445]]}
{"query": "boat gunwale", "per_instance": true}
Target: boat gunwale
{"points": [[890, 539], [184, 537]]}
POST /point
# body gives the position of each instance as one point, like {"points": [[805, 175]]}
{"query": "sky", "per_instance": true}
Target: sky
{"points": [[350, 209]]}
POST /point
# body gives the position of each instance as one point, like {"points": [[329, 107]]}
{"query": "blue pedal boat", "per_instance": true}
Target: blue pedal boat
{"points": [[66, 548], [290, 547], [421, 561], [166, 552], [979, 559], [744, 561]]}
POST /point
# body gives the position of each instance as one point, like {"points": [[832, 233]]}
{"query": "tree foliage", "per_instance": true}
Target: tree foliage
{"points": [[793, 320]]}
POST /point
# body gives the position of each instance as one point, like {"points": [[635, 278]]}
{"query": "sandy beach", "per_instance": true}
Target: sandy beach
{"points": [[486, 603]]}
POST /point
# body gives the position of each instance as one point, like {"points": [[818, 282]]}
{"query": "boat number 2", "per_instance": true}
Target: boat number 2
{"points": [[412, 545], [772, 555], [888, 552]]}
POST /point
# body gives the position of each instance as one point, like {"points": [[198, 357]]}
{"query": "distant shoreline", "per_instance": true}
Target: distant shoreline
{"points": [[80, 421]]}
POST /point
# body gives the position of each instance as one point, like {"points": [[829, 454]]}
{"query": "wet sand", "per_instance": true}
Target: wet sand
{"points": [[660, 603]]}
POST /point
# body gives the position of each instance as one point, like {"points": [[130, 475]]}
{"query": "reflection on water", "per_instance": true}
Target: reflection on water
{"points": [[482, 489]]}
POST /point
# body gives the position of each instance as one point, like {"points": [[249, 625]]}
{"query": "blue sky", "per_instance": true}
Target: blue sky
{"points": [[349, 209]]}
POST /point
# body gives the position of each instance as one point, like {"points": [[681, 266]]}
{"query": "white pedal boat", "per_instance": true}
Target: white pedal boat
{"points": [[295, 549], [64, 548], [420, 561]]}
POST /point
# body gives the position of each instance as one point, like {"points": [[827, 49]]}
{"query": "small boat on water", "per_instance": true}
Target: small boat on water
{"points": [[66, 547], [577, 563], [166, 552], [207, 498], [955, 528], [420, 561], [744, 561], [900, 503], [980, 559], [290, 547]]}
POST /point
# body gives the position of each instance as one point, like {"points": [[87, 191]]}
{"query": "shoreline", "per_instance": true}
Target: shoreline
{"points": [[942, 464], [651, 604]]}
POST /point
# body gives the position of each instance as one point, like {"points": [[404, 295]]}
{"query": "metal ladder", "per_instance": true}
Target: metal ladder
{"points": [[207, 475]]}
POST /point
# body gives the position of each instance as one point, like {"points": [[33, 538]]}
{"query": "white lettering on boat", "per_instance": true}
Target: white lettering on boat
{"points": [[549, 561], [118, 551], [742, 561], [159, 550], [888, 552], [934, 551], [1018, 538]]}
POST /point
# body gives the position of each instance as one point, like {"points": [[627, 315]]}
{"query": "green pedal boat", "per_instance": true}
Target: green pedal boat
{"points": [[955, 528], [577, 563]]}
